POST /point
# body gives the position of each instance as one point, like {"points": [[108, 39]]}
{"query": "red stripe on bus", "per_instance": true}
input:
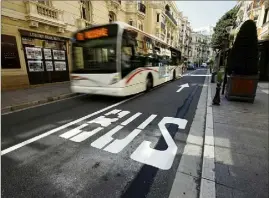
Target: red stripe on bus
{"points": [[133, 75]]}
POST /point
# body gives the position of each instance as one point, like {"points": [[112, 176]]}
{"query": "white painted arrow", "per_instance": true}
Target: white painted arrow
{"points": [[182, 87]]}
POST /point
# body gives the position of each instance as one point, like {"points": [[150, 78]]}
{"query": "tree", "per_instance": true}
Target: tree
{"points": [[243, 59], [220, 34]]}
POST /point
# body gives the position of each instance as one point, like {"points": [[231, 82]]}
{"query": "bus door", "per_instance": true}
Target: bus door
{"points": [[163, 68]]}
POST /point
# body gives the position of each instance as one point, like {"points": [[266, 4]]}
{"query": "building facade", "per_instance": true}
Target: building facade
{"points": [[36, 34], [256, 10], [200, 47]]}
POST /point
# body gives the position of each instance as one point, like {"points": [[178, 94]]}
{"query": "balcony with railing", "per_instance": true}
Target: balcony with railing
{"points": [[116, 2], [170, 16], [41, 13]]}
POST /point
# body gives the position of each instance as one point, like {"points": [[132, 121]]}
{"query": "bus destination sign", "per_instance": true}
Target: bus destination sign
{"points": [[92, 34]]}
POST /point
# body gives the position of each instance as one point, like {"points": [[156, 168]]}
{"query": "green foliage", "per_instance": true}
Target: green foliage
{"points": [[220, 76], [243, 58], [220, 33]]}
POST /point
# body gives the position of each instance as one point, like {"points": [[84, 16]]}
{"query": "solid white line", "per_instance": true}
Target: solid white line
{"points": [[131, 119], [39, 105], [200, 75], [147, 121], [265, 91], [24, 143], [207, 188]]}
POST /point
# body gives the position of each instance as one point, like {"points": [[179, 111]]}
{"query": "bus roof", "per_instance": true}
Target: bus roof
{"points": [[125, 25]]}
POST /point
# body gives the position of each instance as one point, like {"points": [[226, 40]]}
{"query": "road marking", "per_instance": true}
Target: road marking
{"points": [[24, 143], [144, 153], [144, 124], [118, 145], [200, 75], [105, 139], [73, 132], [160, 159], [182, 87], [85, 135], [131, 119]]}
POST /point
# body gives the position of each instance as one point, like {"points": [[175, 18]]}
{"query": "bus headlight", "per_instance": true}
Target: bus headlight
{"points": [[115, 79]]}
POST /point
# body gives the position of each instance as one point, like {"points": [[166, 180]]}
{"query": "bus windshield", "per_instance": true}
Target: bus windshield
{"points": [[95, 56]]}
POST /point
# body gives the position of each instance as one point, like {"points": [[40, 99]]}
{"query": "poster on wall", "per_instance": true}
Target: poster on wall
{"points": [[59, 55], [33, 53], [47, 54], [60, 66], [49, 66], [35, 66]]}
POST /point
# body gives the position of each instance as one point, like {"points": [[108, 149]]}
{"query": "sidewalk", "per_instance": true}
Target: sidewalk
{"points": [[241, 146], [19, 99]]}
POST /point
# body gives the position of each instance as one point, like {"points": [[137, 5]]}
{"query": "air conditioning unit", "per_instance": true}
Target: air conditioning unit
{"points": [[33, 24]]}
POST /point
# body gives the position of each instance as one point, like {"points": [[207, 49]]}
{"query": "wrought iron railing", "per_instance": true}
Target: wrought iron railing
{"points": [[171, 17]]}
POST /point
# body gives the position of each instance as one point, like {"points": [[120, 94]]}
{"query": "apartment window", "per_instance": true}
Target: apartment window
{"points": [[131, 22], [45, 2], [158, 17], [86, 10], [140, 26], [265, 16], [112, 16]]}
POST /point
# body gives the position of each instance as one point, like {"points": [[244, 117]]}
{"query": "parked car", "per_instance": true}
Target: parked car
{"points": [[191, 67], [204, 65]]}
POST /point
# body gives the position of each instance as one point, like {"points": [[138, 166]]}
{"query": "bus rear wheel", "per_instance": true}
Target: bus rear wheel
{"points": [[149, 83]]}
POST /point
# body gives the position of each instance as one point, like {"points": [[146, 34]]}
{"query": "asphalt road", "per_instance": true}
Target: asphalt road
{"points": [[111, 156]]}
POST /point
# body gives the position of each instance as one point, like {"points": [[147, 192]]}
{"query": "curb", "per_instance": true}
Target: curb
{"points": [[187, 179], [37, 102], [207, 186]]}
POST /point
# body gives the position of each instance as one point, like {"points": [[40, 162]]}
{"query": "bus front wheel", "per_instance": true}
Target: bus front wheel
{"points": [[149, 83]]}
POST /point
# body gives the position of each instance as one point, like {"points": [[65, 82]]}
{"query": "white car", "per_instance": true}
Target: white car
{"points": [[204, 65]]}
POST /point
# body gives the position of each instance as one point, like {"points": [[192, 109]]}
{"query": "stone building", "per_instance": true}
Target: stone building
{"points": [[36, 34], [201, 50]]}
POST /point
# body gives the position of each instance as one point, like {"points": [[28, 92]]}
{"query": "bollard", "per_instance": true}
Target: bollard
{"points": [[213, 77], [216, 100]]}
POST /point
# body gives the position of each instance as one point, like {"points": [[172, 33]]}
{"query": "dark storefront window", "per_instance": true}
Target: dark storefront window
{"points": [[9, 53], [45, 57]]}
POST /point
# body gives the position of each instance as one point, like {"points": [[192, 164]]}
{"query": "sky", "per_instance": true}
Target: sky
{"points": [[204, 13]]}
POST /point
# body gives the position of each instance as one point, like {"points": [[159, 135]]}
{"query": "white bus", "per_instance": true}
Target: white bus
{"points": [[117, 59]]}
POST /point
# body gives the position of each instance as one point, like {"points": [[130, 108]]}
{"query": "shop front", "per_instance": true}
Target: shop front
{"points": [[45, 57]]}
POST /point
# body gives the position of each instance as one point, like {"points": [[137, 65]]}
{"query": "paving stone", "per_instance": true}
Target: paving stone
{"points": [[223, 191], [241, 147], [221, 169]]}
